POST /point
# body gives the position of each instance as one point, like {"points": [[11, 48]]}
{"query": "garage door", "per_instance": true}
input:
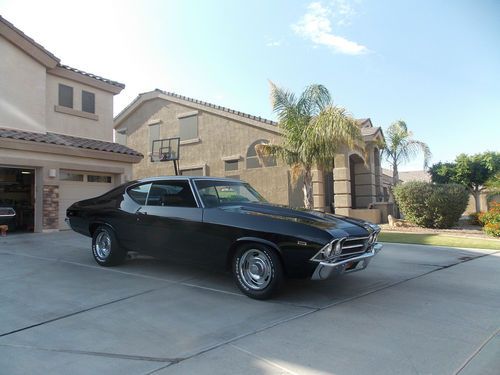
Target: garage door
{"points": [[75, 186]]}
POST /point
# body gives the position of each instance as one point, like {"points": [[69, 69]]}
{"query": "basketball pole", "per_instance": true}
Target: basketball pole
{"points": [[175, 167]]}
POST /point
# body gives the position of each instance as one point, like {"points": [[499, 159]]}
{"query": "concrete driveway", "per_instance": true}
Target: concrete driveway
{"points": [[415, 310]]}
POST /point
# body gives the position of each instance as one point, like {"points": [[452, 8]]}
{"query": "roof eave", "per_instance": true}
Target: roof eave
{"points": [[87, 80], [202, 106], [28, 45]]}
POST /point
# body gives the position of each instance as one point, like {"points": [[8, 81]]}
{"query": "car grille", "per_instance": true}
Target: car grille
{"points": [[354, 246]]}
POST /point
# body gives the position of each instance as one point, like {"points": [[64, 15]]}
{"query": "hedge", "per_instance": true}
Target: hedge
{"points": [[431, 205], [491, 220]]}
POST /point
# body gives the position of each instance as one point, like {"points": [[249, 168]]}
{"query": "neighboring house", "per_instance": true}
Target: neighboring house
{"points": [[56, 133], [218, 141]]}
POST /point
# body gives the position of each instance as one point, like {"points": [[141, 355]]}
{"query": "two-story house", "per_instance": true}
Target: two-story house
{"points": [[56, 133], [219, 141]]}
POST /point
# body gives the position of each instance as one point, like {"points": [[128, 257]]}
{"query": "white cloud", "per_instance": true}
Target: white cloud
{"points": [[273, 43], [316, 25]]}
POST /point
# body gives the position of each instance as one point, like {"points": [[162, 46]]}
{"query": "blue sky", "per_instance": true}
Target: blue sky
{"points": [[434, 64]]}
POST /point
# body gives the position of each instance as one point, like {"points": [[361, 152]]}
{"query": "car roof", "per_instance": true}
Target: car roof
{"points": [[206, 178]]}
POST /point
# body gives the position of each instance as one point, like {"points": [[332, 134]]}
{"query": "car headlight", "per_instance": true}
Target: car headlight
{"points": [[327, 250]]}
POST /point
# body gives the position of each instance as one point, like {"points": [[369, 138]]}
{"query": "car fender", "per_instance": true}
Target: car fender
{"points": [[97, 223], [241, 240]]}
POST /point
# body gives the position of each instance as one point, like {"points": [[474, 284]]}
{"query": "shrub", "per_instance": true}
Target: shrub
{"points": [[474, 219], [431, 205], [491, 220]]}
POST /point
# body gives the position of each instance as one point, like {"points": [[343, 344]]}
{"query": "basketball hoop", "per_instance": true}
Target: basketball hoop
{"points": [[166, 150]]}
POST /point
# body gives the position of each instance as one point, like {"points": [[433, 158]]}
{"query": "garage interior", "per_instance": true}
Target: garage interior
{"points": [[17, 191]]}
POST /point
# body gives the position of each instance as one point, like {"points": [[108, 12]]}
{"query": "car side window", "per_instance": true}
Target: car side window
{"points": [[171, 194], [139, 193]]}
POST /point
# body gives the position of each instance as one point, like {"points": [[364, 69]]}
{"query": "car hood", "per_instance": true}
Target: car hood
{"points": [[335, 224]]}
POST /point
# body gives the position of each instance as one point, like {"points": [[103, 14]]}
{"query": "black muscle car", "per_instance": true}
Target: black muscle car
{"points": [[222, 222]]}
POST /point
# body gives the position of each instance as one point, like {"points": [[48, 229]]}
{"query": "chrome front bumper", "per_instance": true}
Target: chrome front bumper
{"points": [[325, 270]]}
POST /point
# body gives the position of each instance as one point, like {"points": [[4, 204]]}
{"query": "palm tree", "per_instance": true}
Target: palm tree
{"points": [[313, 131], [400, 147]]}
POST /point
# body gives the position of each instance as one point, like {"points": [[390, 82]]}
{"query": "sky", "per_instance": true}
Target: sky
{"points": [[433, 64]]}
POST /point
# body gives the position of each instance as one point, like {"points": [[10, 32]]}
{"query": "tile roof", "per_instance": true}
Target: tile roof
{"points": [[220, 108], [90, 75], [66, 140], [56, 59], [415, 176], [369, 131], [31, 40], [363, 121]]}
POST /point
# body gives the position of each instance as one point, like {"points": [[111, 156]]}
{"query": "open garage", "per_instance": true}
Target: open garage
{"points": [[17, 198], [41, 175]]}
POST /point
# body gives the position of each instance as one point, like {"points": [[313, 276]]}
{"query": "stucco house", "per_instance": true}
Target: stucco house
{"points": [[56, 133], [219, 141]]}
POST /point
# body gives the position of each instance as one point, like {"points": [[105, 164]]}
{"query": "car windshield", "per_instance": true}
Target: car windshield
{"points": [[215, 193]]}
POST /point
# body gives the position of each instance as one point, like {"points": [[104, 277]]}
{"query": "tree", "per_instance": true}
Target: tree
{"points": [[475, 172], [400, 147], [313, 131]]}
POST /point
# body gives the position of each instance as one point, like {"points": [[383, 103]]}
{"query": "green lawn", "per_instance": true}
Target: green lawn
{"points": [[439, 240]]}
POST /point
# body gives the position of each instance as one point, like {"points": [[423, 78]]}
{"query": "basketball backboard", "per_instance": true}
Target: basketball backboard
{"points": [[165, 149]]}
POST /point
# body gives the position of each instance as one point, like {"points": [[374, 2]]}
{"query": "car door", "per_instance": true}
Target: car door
{"points": [[171, 220], [129, 226]]}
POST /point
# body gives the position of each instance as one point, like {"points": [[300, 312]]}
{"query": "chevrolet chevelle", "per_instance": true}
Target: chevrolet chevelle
{"points": [[223, 223]]}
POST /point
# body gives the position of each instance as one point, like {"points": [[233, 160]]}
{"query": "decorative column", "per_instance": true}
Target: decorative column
{"points": [[342, 185], [318, 190], [50, 207], [365, 184]]}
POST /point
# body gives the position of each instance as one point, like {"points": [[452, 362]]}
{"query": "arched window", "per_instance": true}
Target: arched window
{"points": [[252, 158]]}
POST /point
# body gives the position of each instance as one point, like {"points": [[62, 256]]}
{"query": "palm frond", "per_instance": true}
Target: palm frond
{"points": [[401, 147], [266, 150], [327, 133], [313, 100]]}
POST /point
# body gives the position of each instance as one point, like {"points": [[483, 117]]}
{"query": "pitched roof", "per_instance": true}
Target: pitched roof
{"points": [[41, 54], [28, 39], [156, 92], [369, 131], [366, 126], [415, 176], [220, 108], [364, 122], [66, 140], [94, 76]]}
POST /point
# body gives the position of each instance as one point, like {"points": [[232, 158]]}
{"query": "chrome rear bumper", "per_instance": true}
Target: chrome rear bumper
{"points": [[325, 270]]}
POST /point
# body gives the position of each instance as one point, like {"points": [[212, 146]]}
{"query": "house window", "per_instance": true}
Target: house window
{"points": [[154, 134], [98, 178], [65, 96], [88, 102], [252, 158], [70, 176], [171, 194], [231, 165], [192, 172], [188, 128]]}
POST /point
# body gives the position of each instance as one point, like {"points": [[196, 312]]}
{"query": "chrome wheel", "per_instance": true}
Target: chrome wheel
{"points": [[255, 269], [103, 245]]}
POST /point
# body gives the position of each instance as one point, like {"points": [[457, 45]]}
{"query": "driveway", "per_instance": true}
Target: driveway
{"points": [[415, 310]]}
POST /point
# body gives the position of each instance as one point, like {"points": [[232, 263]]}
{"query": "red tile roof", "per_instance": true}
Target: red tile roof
{"points": [[66, 140]]}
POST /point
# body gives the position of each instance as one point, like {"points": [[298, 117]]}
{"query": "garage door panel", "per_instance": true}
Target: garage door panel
{"points": [[71, 192]]}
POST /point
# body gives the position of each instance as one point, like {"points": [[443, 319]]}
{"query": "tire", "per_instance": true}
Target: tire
{"points": [[105, 248], [257, 271]]}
